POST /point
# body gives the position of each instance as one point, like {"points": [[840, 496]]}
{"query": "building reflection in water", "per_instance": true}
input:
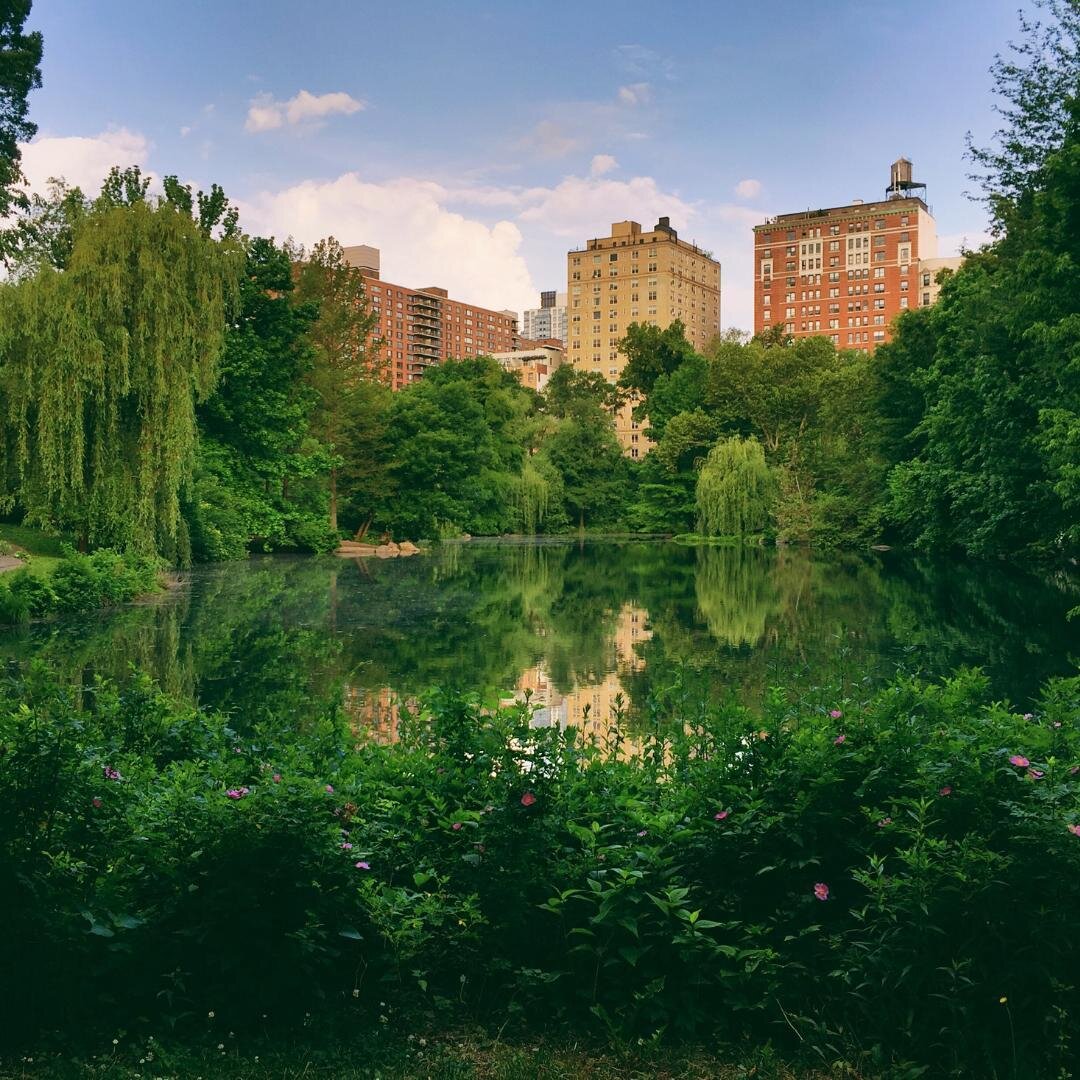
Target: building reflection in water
{"points": [[592, 708]]}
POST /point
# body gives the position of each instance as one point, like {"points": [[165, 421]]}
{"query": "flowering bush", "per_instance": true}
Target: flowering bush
{"points": [[753, 876]]}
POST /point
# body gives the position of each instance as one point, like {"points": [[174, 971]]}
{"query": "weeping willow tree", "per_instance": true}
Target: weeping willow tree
{"points": [[102, 365], [734, 489], [534, 496]]}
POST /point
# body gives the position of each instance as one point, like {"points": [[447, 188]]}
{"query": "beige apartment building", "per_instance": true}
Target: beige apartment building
{"points": [[644, 277]]}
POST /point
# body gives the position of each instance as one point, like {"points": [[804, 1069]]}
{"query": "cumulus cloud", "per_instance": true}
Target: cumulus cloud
{"points": [[748, 189], [421, 240], [305, 109], [82, 160], [639, 93], [602, 163]]}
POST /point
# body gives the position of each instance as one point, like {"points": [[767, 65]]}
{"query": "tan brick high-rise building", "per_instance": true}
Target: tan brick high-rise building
{"points": [[423, 327], [848, 271], [644, 277]]}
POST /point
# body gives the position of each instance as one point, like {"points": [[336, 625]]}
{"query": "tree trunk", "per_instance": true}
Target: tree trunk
{"points": [[581, 520], [333, 501], [362, 531]]}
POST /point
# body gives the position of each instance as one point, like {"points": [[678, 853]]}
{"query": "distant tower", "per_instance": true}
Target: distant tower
{"points": [[901, 182]]}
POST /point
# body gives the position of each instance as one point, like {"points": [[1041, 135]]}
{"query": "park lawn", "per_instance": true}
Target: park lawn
{"points": [[45, 551]]}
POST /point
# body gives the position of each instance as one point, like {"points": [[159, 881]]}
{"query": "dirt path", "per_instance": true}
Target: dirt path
{"points": [[7, 562]]}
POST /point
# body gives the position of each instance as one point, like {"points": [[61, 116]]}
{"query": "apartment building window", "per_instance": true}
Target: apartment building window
{"points": [[925, 299], [879, 223], [613, 257], [903, 301]]}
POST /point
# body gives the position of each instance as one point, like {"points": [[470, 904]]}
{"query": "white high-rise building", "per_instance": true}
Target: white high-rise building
{"points": [[548, 320]]}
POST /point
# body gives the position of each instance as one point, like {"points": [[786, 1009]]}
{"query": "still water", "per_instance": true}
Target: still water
{"points": [[591, 625]]}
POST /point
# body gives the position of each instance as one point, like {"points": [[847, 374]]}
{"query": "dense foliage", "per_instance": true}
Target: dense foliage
{"points": [[79, 584], [896, 874]]}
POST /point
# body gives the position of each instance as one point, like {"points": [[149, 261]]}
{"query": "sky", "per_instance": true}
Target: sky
{"points": [[476, 143]]}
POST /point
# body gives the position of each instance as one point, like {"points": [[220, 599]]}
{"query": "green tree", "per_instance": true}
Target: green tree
{"points": [[651, 352], [595, 475], [734, 489], [261, 478], [20, 72], [103, 366], [343, 344]]}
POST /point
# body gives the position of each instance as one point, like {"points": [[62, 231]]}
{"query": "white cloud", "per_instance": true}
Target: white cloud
{"points": [[82, 160], [635, 94], [421, 240], [748, 189], [602, 163], [307, 109]]}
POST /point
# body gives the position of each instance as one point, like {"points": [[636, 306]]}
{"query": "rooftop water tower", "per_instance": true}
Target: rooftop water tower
{"points": [[902, 184]]}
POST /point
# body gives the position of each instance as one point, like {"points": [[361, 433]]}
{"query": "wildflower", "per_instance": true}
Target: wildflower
{"points": [[1019, 761], [528, 799], [356, 993], [884, 822], [840, 739], [276, 778], [1029, 716], [346, 846], [329, 789], [1035, 774], [1056, 723], [821, 891], [644, 832], [211, 1014], [1074, 829], [236, 793], [237, 750], [456, 826], [111, 773], [946, 790], [95, 802], [363, 865], [1074, 770], [1003, 1000], [720, 816], [835, 714]]}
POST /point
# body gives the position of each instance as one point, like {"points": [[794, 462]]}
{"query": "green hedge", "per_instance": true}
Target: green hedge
{"points": [[80, 583], [892, 880]]}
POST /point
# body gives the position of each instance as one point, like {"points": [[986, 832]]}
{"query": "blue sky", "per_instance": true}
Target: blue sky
{"points": [[474, 143]]}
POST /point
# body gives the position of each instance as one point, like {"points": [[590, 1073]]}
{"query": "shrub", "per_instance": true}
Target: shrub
{"points": [[898, 875]]}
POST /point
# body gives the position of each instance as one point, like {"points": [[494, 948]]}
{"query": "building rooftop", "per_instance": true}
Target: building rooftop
{"points": [[849, 209]]}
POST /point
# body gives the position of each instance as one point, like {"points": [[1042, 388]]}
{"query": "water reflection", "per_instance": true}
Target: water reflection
{"points": [[583, 628]]}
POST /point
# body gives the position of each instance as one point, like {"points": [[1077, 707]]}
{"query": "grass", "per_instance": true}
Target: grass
{"points": [[388, 1056], [45, 551]]}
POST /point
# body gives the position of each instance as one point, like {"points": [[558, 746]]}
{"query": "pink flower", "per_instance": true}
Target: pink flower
{"points": [[1056, 723], [946, 790], [821, 891], [95, 802], [883, 822], [1074, 770], [1035, 774], [456, 826], [237, 750], [1074, 829], [276, 778], [528, 799], [329, 789], [236, 793], [644, 832], [835, 714], [1019, 761], [1029, 716], [362, 865], [346, 846], [720, 816], [840, 739], [111, 773]]}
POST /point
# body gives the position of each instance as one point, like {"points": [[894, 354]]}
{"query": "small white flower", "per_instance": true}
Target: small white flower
{"points": [[356, 993], [211, 1014]]}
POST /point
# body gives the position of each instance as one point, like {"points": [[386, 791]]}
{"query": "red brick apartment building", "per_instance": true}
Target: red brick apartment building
{"points": [[848, 271], [423, 327]]}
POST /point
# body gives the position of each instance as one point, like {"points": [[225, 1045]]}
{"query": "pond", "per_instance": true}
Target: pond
{"points": [[584, 627]]}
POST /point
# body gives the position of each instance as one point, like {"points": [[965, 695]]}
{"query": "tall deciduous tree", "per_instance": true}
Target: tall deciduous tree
{"points": [[103, 365], [20, 72], [734, 489], [343, 347]]}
